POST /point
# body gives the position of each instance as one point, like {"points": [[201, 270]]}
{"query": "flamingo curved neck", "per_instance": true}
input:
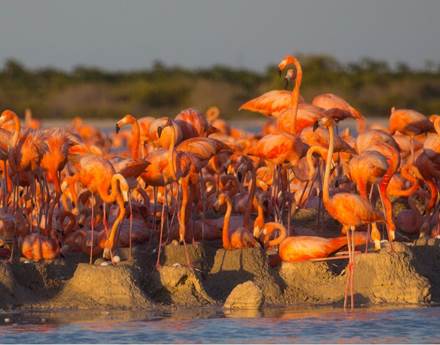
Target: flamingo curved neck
{"points": [[109, 198], [136, 135], [309, 158], [295, 93], [270, 229], [172, 154], [17, 127], [225, 232], [248, 211], [414, 183], [325, 187]]}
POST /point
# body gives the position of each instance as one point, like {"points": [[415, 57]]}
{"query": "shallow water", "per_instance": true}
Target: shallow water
{"points": [[274, 325]]}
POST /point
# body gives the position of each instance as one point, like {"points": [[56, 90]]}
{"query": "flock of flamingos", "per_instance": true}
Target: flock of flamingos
{"points": [[195, 178]]}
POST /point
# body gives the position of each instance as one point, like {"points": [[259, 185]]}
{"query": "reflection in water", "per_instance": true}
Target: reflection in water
{"points": [[269, 325]]}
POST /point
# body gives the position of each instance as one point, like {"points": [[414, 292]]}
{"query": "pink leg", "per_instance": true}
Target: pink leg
{"points": [[347, 284], [130, 225], [92, 227], [162, 223]]}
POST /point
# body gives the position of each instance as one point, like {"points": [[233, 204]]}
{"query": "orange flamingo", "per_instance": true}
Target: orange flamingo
{"points": [[283, 104], [54, 159], [350, 210], [302, 248], [98, 176], [237, 238], [29, 121], [410, 220], [35, 246], [339, 108], [410, 123], [135, 133]]}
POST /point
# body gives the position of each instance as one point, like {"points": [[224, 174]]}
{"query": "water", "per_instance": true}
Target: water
{"points": [[275, 325]]}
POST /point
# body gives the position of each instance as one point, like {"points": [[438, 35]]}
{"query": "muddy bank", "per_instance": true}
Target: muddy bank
{"points": [[410, 275]]}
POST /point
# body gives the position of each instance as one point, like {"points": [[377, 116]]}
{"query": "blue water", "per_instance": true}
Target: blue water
{"points": [[317, 325]]}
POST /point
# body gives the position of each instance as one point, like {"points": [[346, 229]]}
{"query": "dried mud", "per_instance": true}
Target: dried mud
{"points": [[409, 275]]}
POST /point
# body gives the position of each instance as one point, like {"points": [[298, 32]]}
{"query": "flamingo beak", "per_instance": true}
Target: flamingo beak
{"points": [[315, 126], [159, 131], [117, 128]]}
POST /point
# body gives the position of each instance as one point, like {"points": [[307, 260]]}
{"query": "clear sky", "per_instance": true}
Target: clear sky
{"points": [[128, 34]]}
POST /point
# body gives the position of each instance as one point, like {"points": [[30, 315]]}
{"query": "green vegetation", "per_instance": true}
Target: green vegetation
{"points": [[372, 86]]}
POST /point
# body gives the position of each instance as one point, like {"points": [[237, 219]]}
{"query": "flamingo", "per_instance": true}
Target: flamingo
{"points": [[303, 248], [212, 115], [29, 121], [36, 246], [193, 123], [410, 221], [54, 159], [339, 108], [409, 122], [98, 175], [236, 238], [135, 133], [283, 104], [351, 210]]}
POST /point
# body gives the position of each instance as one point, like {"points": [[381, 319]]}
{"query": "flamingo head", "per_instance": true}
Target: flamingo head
{"points": [[128, 118], [7, 115], [289, 77], [325, 121], [288, 60], [168, 123]]}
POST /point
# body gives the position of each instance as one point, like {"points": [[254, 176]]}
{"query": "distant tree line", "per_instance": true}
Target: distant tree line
{"points": [[371, 85]]}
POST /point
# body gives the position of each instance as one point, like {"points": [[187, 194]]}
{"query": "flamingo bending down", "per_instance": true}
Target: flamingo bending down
{"points": [[98, 176]]}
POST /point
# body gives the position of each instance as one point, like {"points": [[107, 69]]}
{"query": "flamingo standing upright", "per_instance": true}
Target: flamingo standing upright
{"points": [[351, 210], [236, 238]]}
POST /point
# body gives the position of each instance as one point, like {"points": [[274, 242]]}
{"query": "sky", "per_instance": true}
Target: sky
{"points": [[129, 34]]}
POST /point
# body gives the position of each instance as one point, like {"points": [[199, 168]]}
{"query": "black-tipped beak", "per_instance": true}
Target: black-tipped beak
{"points": [[117, 128], [159, 131], [315, 126]]}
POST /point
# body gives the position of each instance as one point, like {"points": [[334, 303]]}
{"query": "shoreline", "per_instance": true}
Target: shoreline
{"points": [[407, 277]]}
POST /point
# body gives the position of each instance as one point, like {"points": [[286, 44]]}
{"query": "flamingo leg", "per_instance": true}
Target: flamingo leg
{"points": [[92, 227], [352, 267], [130, 227], [104, 219], [154, 208], [319, 197], [5, 182], [347, 283], [203, 193], [162, 223], [388, 215]]}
